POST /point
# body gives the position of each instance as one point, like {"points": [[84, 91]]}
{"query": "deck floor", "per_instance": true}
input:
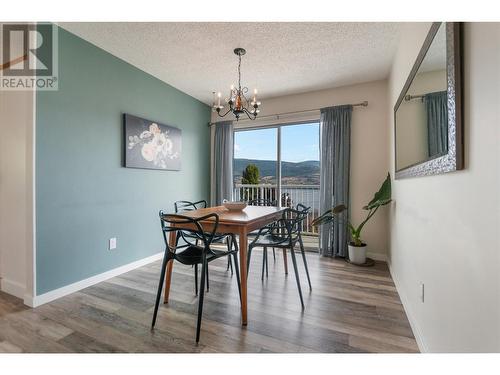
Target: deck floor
{"points": [[350, 309]]}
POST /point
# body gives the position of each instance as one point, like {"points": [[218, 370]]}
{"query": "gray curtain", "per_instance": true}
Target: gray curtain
{"points": [[335, 139], [436, 108], [223, 161]]}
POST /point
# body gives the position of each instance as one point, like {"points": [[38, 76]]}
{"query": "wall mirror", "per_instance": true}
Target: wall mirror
{"points": [[428, 114]]}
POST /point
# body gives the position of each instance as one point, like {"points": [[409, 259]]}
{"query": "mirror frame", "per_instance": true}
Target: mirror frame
{"points": [[454, 159]]}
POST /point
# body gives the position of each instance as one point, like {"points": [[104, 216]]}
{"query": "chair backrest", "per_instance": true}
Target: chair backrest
{"points": [[305, 210], [186, 224], [293, 219], [301, 207], [262, 202], [182, 206]]}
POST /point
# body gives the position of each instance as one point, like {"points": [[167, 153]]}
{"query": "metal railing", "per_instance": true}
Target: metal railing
{"points": [[291, 195]]}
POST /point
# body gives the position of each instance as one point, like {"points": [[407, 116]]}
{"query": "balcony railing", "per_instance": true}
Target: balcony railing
{"points": [[291, 195]]}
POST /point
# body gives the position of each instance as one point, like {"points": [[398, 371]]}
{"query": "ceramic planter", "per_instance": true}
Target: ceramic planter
{"points": [[357, 254]]}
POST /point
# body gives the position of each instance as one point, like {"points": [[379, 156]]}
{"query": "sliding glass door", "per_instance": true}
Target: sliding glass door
{"points": [[279, 163]]}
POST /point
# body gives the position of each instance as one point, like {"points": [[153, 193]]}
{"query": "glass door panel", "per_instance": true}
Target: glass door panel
{"points": [[255, 164], [300, 168]]}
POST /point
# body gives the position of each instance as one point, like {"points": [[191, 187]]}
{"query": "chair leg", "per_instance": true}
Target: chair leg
{"points": [[285, 261], [305, 261], [249, 256], [237, 270], [208, 284], [264, 261], [294, 261], [229, 241], [267, 265], [235, 243], [204, 267], [160, 286], [196, 279], [274, 255]]}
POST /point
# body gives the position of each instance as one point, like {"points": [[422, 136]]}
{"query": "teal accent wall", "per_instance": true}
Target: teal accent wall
{"points": [[84, 195]]}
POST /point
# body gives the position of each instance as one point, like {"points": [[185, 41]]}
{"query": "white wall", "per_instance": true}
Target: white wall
{"points": [[17, 110], [369, 149], [16, 192], [445, 229]]}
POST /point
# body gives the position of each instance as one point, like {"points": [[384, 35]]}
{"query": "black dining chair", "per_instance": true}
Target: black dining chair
{"points": [[183, 206], [284, 234], [191, 254], [305, 210], [263, 202]]}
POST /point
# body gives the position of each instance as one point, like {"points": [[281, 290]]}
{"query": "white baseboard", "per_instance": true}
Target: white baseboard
{"points": [[406, 305], [377, 256], [12, 287], [79, 285]]}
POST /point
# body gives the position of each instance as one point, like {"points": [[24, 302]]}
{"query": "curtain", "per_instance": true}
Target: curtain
{"points": [[335, 140], [223, 161], [436, 108]]}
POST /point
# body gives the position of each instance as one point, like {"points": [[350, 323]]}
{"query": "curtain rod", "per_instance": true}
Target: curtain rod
{"points": [[362, 104], [411, 97]]}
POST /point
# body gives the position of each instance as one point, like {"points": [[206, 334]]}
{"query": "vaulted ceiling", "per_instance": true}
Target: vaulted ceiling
{"points": [[281, 59]]}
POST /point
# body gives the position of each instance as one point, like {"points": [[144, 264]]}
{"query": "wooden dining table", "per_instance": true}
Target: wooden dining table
{"points": [[239, 223]]}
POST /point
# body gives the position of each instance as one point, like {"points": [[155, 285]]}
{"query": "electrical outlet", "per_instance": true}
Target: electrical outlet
{"points": [[112, 243], [422, 292]]}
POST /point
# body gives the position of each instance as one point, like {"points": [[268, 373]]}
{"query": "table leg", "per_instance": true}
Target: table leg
{"points": [[243, 274], [170, 265]]}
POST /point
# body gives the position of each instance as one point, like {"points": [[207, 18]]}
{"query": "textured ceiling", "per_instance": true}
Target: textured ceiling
{"points": [[281, 59]]}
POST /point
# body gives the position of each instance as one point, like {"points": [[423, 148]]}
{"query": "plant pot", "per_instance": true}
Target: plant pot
{"points": [[357, 254]]}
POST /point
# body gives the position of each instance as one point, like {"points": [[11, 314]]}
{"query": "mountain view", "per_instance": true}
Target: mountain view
{"points": [[299, 173]]}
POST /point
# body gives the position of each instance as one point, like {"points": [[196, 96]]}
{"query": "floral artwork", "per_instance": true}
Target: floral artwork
{"points": [[151, 145]]}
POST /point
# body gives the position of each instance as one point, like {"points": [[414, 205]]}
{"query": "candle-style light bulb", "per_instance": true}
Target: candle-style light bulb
{"points": [[231, 92], [218, 96], [254, 95]]}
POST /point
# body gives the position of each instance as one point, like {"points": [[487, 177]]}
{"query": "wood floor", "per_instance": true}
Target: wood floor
{"points": [[350, 309]]}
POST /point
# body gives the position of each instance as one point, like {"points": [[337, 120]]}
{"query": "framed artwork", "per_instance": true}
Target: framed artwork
{"points": [[151, 145]]}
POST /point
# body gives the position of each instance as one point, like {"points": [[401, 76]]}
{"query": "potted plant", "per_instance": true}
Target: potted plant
{"points": [[357, 248]]}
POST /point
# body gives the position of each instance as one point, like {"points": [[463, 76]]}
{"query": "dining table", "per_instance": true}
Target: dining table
{"points": [[239, 223]]}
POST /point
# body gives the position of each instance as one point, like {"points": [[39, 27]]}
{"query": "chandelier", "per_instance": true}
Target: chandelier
{"points": [[237, 101]]}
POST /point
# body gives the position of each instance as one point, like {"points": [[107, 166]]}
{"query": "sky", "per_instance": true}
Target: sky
{"points": [[298, 143]]}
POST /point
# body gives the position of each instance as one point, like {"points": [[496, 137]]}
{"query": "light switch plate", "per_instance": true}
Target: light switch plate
{"points": [[112, 243]]}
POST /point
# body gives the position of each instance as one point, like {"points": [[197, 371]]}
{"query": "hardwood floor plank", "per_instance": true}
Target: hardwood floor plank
{"points": [[81, 343], [350, 309], [7, 347]]}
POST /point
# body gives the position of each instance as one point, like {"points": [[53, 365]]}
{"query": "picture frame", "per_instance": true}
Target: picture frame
{"points": [[151, 145]]}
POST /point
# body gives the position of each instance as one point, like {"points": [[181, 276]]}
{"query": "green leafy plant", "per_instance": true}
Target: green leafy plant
{"points": [[250, 175], [381, 198]]}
